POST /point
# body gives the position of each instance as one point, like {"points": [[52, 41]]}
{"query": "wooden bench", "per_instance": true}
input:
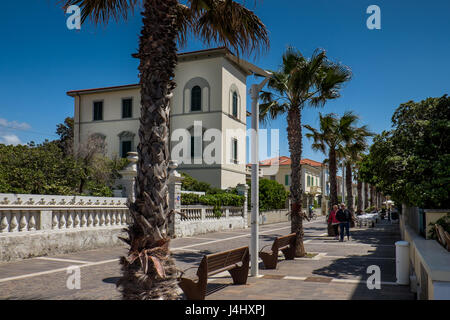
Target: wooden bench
{"points": [[286, 244], [213, 264], [442, 236]]}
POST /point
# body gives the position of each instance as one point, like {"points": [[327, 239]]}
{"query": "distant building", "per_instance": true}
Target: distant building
{"points": [[211, 87]]}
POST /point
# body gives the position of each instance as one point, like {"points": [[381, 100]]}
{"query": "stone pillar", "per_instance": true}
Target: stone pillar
{"points": [[174, 198], [129, 174], [242, 190]]}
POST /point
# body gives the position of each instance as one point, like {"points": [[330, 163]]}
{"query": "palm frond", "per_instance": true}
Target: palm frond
{"points": [[184, 23], [229, 23], [101, 11], [271, 110]]}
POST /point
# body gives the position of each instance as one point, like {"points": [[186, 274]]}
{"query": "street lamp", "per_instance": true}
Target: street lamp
{"points": [[254, 91]]}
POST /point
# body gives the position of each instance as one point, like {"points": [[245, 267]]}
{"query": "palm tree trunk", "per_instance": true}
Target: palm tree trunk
{"points": [[359, 205], [294, 131], [349, 186], [149, 271], [333, 177], [366, 195], [372, 196]]}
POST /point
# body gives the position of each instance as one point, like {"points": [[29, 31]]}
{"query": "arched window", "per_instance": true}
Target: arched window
{"points": [[196, 99], [235, 104], [126, 140]]}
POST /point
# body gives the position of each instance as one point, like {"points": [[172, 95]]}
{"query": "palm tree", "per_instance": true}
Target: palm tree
{"points": [[359, 187], [333, 133], [366, 195], [351, 151], [299, 82], [149, 271]]}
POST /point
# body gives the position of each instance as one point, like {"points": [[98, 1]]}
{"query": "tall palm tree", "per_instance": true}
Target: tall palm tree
{"points": [[366, 195], [359, 186], [333, 133], [299, 82], [148, 270], [351, 151], [372, 196], [359, 201]]}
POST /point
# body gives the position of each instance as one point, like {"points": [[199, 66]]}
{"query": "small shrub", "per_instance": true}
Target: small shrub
{"points": [[216, 200]]}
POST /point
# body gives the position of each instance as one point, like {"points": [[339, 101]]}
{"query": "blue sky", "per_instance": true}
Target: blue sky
{"points": [[408, 59]]}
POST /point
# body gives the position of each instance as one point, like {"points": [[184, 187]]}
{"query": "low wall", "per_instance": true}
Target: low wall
{"points": [[430, 264], [202, 219], [35, 244], [272, 216], [276, 216], [37, 225]]}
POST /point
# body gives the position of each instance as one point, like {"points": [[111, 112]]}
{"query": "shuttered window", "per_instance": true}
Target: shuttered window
{"points": [[235, 104], [196, 99], [98, 110], [127, 108]]}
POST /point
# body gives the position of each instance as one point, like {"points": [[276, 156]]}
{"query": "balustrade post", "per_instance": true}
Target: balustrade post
{"points": [[203, 214], [32, 222], [69, 222], [76, 219], [62, 220], [45, 220], [174, 185], [4, 222], [129, 174], [23, 223], [90, 218], [102, 218], [242, 190]]}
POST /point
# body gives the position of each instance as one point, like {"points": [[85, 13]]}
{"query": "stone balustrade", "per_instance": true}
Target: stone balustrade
{"points": [[199, 213], [198, 219], [28, 213]]}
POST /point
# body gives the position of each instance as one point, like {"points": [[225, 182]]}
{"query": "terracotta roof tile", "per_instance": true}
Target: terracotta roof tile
{"points": [[286, 161]]}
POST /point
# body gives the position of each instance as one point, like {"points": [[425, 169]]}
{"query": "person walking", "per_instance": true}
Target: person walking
{"points": [[311, 210], [334, 222], [344, 216]]}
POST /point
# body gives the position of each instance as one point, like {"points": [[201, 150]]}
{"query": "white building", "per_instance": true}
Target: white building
{"points": [[211, 88]]}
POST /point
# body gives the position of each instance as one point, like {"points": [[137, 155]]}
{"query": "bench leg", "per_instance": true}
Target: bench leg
{"points": [[270, 260], [193, 290], [240, 274], [289, 253]]}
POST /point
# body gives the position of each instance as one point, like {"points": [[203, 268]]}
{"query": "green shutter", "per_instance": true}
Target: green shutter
{"points": [[286, 180]]}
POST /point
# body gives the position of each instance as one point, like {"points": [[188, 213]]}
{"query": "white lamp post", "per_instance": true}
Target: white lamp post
{"points": [[254, 245]]}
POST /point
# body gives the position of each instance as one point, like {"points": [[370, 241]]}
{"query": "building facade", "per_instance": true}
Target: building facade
{"points": [[313, 176], [209, 104]]}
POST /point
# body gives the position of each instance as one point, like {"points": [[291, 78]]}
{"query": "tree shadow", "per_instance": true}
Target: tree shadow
{"points": [[355, 267], [189, 256]]}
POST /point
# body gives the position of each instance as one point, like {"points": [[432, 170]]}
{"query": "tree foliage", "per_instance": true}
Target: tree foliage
{"points": [[52, 168], [272, 195], [411, 162]]}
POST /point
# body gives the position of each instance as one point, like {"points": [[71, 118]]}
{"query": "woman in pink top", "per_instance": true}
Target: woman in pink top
{"points": [[334, 222]]}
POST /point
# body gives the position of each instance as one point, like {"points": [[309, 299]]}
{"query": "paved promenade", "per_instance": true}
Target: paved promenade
{"points": [[337, 271]]}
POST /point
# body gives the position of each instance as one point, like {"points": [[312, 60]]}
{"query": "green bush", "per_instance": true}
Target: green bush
{"points": [[216, 200], [272, 195], [191, 184], [411, 162], [46, 169]]}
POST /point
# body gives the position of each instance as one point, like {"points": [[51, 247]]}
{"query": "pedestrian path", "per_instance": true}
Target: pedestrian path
{"points": [[337, 271]]}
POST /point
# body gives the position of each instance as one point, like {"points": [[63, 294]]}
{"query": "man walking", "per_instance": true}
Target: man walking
{"points": [[343, 216]]}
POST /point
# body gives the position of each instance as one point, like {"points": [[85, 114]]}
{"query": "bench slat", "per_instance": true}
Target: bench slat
{"points": [[223, 260], [282, 242]]}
